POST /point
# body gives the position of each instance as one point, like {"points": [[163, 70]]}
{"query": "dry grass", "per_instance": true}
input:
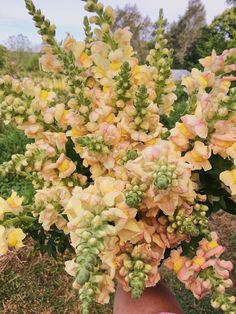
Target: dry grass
{"points": [[31, 283]]}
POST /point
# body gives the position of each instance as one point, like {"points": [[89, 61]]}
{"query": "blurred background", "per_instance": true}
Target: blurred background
{"points": [[193, 28]]}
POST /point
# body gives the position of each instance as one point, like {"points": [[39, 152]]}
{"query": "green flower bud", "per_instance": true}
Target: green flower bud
{"points": [[139, 265], [162, 182], [128, 264], [82, 276], [123, 83], [92, 241], [131, 155], [147, 268], [134, 195]]}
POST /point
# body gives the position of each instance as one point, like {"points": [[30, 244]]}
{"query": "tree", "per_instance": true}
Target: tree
{"points": [[231, 2], [183, 33], [20, 48], [19, 43], [225, 25], [140, 26], [219, 35]]}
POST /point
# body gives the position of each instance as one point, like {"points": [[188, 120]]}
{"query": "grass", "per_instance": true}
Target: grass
{"points": [[13, 141], [31, 283]]}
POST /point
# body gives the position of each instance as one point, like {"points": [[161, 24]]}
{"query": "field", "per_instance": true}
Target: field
{"points": [[31, 283]]}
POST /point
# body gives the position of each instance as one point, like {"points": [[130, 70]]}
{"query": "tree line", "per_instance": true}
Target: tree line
{"points": [[17, 56], [190, 37]]}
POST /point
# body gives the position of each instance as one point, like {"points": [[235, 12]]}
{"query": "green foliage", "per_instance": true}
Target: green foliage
{"points": [[225, 25], [180, 107], [32, 64], [18, 63], [12, 141], [219, 35], [71, 153], [3, 55], [19, 57], [218, 196], [51, 242], [22, 186], [183, 33]]}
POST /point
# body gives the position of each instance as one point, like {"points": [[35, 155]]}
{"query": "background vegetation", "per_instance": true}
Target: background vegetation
{"points": [[190, 37]]}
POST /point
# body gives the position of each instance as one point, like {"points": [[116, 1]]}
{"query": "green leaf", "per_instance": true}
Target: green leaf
{"points": [[230, 206], [213, 187], [190, 248], [71, 153]]}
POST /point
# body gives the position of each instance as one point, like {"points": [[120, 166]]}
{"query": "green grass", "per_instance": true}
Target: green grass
{"points": [[13, 141]]}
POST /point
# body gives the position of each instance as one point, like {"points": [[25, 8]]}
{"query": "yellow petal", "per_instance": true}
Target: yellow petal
{"points": [[196, 156], [11, 201], [178, 265], [110, 118], [211, 245], [15, 237], [112, 198], [116, 65], [198, 261], [203, 82], [183, 130], [64, 166], [43, 95], [132, 225]]}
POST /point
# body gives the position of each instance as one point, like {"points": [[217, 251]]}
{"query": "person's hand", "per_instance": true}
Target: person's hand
{"points": [[155, 300]]}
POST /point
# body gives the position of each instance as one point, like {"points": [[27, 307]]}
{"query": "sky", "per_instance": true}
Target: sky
{"points": [[68, 15]]}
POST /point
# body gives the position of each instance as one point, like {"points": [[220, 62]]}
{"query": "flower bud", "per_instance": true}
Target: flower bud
{"points": [[215, 304], [138, 265], [82, 276]]}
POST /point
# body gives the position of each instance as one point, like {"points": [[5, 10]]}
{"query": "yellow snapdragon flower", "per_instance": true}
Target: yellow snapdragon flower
{"points": [[15, 237], [228, 177]]}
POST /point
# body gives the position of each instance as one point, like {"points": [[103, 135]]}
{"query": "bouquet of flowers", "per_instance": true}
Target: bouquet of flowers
{"points": [[119, 168]]}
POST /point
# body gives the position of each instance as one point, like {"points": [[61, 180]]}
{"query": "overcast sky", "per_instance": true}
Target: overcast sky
{"points": [[68, 14]]}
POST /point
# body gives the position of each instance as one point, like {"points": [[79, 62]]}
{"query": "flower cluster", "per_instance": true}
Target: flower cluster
{"points": [[127, 190], [205, 271], [10, 213]]}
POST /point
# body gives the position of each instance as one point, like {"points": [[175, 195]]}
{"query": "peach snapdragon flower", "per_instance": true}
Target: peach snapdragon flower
{"points": [[198, 156], [228, 177], [49, 62], [64, 166]]}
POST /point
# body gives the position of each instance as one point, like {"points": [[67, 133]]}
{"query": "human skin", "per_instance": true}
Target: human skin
{"points": [[154, 300]]}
